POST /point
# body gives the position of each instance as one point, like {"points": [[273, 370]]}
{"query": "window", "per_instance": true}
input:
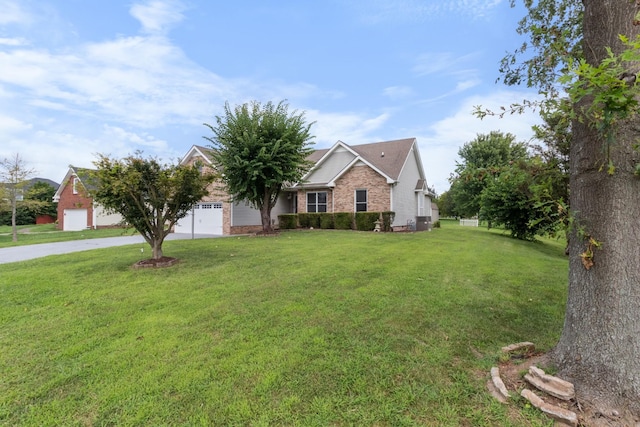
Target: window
{"points": [[317, 202], [361, 200], [75, 185]]}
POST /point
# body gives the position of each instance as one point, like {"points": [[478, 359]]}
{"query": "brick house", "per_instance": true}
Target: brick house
{"points": [[382, 176], [377, 177], [218, 213], [76, 208]]}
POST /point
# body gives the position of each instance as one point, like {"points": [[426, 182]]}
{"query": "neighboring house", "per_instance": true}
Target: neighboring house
{"points": [[76, 208], [377, 177]]}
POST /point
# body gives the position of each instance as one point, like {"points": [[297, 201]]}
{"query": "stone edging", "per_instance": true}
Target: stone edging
{"points": [[536, 377]]}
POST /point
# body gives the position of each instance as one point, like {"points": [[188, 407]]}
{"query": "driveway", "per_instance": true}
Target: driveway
{"points": [[26, 252]]}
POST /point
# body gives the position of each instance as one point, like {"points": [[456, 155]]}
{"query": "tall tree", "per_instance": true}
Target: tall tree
{"points": [[39, 198], [260, 149], [481, 160], [600, 341], [14, 174], [150, 196]]}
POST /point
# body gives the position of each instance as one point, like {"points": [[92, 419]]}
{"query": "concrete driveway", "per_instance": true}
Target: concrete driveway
{"points": [[26, 252]]}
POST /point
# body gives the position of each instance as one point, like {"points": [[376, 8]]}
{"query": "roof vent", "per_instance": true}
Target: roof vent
{"points": [[382, 154]]}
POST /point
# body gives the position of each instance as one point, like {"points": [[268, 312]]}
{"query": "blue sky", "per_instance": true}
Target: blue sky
{"points": [[82, 77]]}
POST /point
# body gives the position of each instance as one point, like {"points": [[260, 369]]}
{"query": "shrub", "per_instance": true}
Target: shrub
{"points": [[308, 220], [365, 221], [436, 224], [288, 221], [326, 220], [343, 220], [387, 220], [303, 220]]}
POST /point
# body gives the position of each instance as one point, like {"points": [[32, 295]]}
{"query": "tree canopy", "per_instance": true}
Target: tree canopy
{"points": [[481, 161], [150, 196], [260, 149]]}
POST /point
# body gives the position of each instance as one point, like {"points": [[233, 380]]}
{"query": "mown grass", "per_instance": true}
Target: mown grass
{"points": [[47, 233], [309, 328]]}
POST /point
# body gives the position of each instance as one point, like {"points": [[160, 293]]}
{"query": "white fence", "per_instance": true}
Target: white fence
{"points": [[469, 222]]}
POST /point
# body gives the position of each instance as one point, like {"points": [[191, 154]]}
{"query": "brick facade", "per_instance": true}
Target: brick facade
{"points": [[80, 200], [342, 197], [362, 177]]}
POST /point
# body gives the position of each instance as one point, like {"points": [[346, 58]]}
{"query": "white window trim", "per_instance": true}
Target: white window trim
{"points": [[326, 204], [355, 200]]}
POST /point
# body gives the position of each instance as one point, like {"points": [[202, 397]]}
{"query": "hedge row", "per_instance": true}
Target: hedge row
{"points": [[361, 221]]}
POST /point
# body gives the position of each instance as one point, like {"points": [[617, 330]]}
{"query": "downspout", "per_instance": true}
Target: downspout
{"points": [[333, 200]]}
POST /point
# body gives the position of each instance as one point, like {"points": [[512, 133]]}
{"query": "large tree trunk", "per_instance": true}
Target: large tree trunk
{"points": [[156, 249], [265, 213], [265, 216], [599, 349]]}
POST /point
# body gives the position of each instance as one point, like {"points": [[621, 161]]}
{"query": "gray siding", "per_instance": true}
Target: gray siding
{"points": [[403, 195], [243, 214], [331, 167]]}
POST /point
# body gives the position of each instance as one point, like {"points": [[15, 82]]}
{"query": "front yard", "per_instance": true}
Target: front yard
{"points": [[306, 328]]}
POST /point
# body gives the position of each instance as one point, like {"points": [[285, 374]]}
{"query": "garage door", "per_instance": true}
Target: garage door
{"points": [[74, 219], [207, 219]]}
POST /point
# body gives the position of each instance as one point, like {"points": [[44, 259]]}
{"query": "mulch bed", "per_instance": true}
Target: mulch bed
{"points": [[165, 261]]}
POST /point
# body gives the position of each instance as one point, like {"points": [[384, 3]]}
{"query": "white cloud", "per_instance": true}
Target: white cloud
{"points": [[157, 16], [431, 63], [375, 12], [134, 141], [461, 86], [9, 125], [52, 148], [351, 128], [12, 13], [144, 81], [439, 144], [13, 41], [398, 92]]}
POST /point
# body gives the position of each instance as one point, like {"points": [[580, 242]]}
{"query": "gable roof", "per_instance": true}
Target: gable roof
{"points": [[197, 151], [388, 158], [83, 175]]}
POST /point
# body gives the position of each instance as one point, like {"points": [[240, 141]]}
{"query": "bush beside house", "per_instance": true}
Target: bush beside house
{"points": [[361, 221]]}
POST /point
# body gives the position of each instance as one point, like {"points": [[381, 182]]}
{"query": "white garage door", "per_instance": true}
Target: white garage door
{"points": [[74, 219], [207, 219]]}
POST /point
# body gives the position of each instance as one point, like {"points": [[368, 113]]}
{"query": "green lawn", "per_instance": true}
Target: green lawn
{"points": [[47, 233], [310, 328]]}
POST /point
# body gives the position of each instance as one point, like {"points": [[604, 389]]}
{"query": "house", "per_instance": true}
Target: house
{"points": [[218, 213], [377, 177], [76, 208]]}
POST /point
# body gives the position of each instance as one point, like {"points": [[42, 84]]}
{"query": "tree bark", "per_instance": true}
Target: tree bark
{"points": [[600, 342], [14, 209], [265, 213], [156, 248]]}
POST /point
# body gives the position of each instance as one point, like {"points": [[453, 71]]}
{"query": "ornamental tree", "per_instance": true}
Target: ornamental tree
{"points": [[150, 196], [260, 149]]}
